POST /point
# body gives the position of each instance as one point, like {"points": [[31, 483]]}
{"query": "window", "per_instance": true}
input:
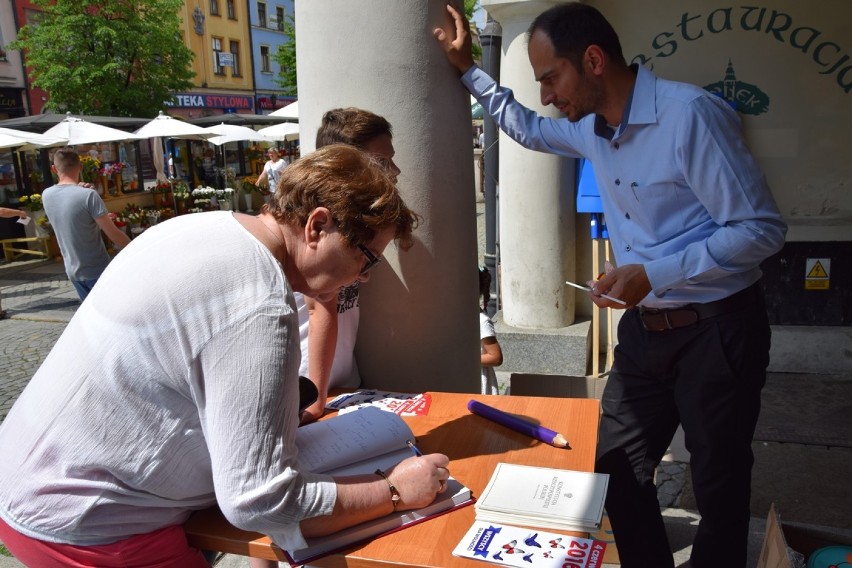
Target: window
{"points": [[214, 7], [261, 14], [279, 18], [217, 49], [235, 54], [2, 49], [264, 59], [232, 10]]}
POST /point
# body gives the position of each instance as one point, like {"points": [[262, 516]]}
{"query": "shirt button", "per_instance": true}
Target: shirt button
{"points": [[615, 145], [627, 215], [618, 182], [627, 248]]}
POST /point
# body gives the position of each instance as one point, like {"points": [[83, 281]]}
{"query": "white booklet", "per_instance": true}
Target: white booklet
{"points": [[558, 499], [529, 548], [362, 442]]}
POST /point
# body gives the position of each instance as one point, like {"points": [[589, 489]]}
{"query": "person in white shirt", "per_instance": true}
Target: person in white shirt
{"points": [[175, 385], [271, 173]]}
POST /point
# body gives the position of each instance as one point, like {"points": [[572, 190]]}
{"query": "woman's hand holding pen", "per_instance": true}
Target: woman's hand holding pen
{"points": [[419, 479]]}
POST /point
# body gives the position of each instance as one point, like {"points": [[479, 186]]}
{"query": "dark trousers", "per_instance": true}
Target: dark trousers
{"points": [[707, 377]]}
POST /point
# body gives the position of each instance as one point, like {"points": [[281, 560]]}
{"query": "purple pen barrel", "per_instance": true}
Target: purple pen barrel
{"points": [[518, 424]]}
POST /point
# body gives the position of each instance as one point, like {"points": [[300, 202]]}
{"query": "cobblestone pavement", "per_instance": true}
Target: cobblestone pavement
{"points": [[23, 346]]}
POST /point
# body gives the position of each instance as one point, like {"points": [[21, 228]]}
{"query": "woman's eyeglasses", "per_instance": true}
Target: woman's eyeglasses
{"points": [[372, 260]]}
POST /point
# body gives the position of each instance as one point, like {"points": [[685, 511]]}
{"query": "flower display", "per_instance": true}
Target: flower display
{"points": [[202, 196], [161, 187], [152, 216], [131, 213], [91, 167], [31, 202], [249, 184], [113, 168], [117, 220], [225, 194], [44, 224], [181, 190]]}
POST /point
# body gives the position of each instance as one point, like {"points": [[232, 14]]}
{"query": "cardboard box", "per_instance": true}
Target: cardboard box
{"points": [[801, 538]]}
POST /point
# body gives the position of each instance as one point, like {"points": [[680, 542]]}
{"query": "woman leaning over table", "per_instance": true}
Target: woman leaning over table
{"points": [[165, 394]]}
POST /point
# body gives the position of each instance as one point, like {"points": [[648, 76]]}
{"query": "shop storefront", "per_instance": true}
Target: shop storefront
{"points": [[11, 103]]}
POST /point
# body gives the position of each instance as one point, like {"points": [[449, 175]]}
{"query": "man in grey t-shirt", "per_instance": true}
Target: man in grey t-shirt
{"points": [[78, 215]]}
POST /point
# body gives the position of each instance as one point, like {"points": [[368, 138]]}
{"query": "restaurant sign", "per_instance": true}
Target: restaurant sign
{"points": [[826, 55], [196, 100]]}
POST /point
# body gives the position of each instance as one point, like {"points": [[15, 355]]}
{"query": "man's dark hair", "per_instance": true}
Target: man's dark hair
{"points": [[573, 27], [65, 159], [352, 126]]}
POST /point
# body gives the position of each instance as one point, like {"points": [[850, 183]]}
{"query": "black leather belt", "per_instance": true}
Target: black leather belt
{"points": [[654, 319]]}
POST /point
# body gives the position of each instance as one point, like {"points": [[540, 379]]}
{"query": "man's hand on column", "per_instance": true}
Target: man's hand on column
{"points": [[458, 48]]}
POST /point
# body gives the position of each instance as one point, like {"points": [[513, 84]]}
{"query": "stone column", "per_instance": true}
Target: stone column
{"points": [[419, 320], [537, 220], [537, 225]]}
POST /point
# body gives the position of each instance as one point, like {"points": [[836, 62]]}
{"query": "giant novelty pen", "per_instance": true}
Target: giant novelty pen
{"points": [[546, 435]]}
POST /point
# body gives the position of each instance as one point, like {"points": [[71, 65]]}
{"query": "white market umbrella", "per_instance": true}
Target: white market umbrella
{"points": [[78, 131], [224, 133], [283, 131], [22, 140], [164, 126], [289, 111]]}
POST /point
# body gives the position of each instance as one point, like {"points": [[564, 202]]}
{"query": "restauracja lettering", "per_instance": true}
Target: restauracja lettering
{"points": [[828, 55]]}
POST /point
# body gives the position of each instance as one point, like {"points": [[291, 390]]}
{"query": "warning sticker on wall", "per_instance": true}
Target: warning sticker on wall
{"points": [[817, 273]]}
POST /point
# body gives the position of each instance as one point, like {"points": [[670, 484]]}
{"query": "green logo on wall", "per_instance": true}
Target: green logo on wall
{"points": [[744, 97]]}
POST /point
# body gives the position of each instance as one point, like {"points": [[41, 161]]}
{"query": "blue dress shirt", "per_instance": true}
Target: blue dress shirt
{"points": [[681, 192]]}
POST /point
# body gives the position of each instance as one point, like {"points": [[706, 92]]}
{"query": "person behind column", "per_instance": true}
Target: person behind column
{"points": [[490, 353], [175, 387], [271, 172], [328, 330], [78, 216], [690, 217]]}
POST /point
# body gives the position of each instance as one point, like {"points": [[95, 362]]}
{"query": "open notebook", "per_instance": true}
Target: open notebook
{"points": [[356, 443]]}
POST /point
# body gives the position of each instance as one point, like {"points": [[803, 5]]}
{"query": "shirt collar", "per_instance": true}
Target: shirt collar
{"points": [[641, 106]]}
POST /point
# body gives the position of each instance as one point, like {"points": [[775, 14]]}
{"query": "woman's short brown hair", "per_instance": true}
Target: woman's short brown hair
{"points": [[352, 185]]}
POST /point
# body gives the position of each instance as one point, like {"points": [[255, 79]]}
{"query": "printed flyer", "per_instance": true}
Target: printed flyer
{"points": [[516, 546], [403, 404]]}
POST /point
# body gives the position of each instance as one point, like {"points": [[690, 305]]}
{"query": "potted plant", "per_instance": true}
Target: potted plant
{"points": [[225, 198], [113, 171], [91, 171], [202, 197], [33, 204], [248, 187], [160, 193], [182, 196]]}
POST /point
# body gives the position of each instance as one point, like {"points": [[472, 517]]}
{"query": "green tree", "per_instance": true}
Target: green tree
{"points": [[109, 57], [285, 56], [475, 48]]}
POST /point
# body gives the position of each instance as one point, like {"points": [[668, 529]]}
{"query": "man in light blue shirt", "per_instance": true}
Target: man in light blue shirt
{"points": [[690, 218]]}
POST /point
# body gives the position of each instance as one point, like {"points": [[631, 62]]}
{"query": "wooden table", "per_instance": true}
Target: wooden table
{"points": [[474, 446]]}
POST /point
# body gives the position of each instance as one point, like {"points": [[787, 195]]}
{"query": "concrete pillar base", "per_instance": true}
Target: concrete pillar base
{"points": [[819, 350], [560, 351]]}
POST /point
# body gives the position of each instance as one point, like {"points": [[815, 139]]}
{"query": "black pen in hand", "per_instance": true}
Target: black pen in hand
{"points": [[414, 449]]}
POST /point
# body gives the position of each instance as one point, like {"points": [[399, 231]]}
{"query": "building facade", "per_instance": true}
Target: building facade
{"points": [[217, 32], [267, 21]]}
